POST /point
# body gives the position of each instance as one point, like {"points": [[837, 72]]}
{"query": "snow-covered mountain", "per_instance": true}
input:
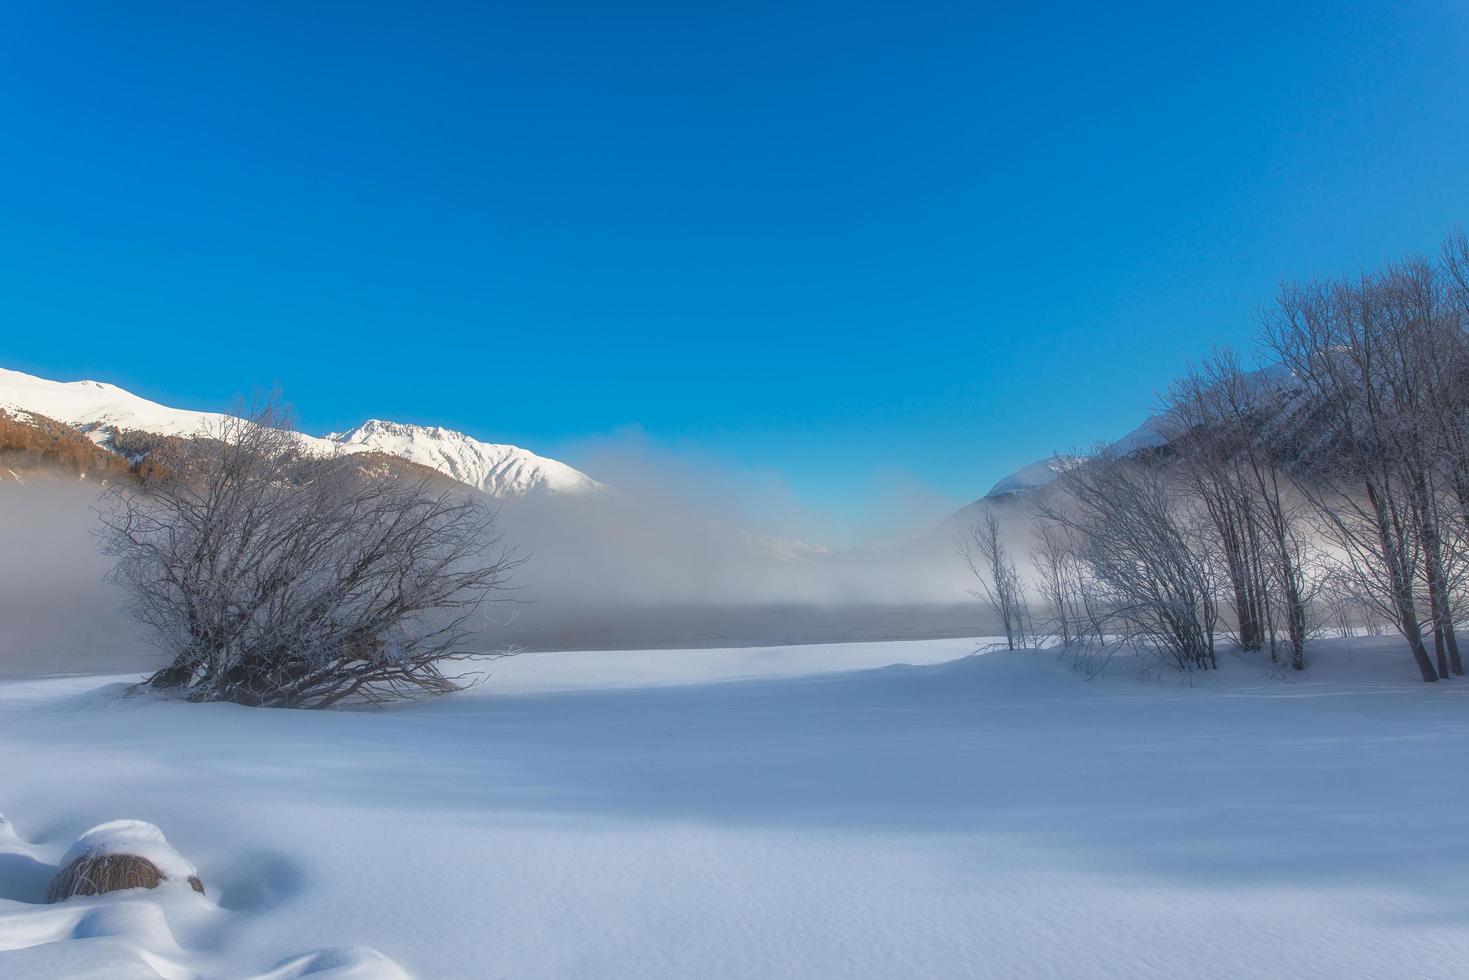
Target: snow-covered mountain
{"points": [[1044, 472], [96, 409], [1009, 495], [94, 406], [1150, 435], [499, 470]]}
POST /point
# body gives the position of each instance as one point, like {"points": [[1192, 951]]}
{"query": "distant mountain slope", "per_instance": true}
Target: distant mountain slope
{"points": [[101, 410], [1044, 472], [31, 443], [93, 406], [1150, 435], [1009, 496], [499, 470]]}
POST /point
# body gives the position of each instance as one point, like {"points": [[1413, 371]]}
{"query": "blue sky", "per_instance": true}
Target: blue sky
{"points": [[861, 253]]}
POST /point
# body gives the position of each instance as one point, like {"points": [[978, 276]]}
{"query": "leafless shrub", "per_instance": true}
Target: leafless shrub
{"points": [[999, 583], [270, 576], [1382, 360], [1052, 560], [1147, 554], [1331, 488], [1074, 606], [1230, 447]]}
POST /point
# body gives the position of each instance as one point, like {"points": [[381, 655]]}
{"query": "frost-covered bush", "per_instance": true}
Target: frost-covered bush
{"points": [[271, 576], [1148, 555]]}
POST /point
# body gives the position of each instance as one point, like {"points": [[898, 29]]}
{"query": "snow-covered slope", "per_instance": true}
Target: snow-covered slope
{"points": [[95, 408], [1008, 495], [503, 471], [1038, 474], [1150, 435], [94, 405], [499, 470], [1044, 472]]}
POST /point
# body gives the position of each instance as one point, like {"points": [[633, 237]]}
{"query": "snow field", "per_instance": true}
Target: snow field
{"points": [[860, 810]]}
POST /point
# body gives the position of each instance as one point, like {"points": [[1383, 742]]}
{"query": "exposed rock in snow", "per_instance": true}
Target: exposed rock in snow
{"points": [[150, 930], [119, 855]]}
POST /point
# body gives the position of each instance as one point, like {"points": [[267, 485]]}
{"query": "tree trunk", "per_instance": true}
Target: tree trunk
{"points": [[1408, 620], [1402, 586]]}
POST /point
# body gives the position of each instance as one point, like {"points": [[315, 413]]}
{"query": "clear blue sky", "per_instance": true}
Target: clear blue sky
{"points": [[850, 245]]}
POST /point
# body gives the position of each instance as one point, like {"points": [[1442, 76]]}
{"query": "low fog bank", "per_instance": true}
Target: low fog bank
{"points": [[620, 548], [612, 572], [620, 572], [57, 615]]}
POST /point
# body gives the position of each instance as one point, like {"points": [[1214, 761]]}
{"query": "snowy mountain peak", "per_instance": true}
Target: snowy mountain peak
{"points": [[381, 429], [499, 470], [96, 407], [90, 405]]}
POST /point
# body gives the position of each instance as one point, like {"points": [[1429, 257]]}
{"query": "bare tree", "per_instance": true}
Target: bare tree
{"points": [[1341, 342], [1076, 603], [999, 583], [271, 576], [1230, 443], [1430, 365], [1342, 472], [1206, 451], [1148, 552], [1052, 559]]}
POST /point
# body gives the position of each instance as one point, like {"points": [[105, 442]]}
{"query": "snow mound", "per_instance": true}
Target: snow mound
{"points": [[132, 838], [343, 962], [136, 933]]}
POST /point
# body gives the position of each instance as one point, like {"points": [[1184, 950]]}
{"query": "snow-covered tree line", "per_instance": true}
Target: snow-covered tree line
{"points": [[1328, 489]]}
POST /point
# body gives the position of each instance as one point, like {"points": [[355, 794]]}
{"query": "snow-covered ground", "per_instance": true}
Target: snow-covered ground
{"points": [[863, 810]]}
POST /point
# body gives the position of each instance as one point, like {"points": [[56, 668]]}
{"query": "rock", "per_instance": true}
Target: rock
{"points": [[119, 855]]}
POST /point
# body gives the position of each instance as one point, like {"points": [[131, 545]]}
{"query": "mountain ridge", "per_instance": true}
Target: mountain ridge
{"points": [[97, 409], [500, 470]]}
